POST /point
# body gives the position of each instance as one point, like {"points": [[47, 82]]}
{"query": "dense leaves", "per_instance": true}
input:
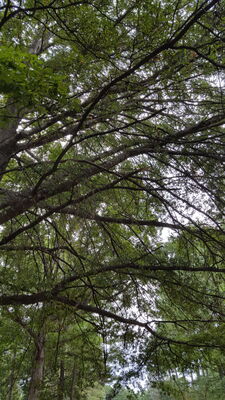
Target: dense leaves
{"points": [[112, 189]]}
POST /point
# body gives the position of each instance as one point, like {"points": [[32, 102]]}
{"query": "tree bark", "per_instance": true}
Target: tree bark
{"points": [[38, 369], [221, 371], [73, 382], [61, 384], [8, 135]]}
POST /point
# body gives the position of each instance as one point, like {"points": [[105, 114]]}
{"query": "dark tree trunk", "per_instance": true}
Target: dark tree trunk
{"points": [[73, 395], [61, 384], [8, 134], [221, 371]]}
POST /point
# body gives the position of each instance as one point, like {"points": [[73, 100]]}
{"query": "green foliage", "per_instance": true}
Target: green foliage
{"points": [[111, 134], [25, 77], [96, 392]]}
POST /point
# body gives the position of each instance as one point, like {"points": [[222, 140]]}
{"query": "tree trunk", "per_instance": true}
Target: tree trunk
{"points": [[38, 369], [221, 371], [73, 382], [8, 134], [61, 385]]}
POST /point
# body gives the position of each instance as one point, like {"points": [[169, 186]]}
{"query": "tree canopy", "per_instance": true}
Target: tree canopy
{"points": [[112, 188]]}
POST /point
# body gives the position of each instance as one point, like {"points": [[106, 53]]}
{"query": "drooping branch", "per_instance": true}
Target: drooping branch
{"points": [[46, 297]]}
